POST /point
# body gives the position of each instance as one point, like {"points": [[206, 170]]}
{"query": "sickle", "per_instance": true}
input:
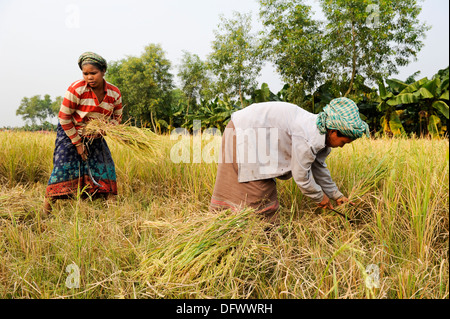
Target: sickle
{"points": [[90, 175], [345, 216]]}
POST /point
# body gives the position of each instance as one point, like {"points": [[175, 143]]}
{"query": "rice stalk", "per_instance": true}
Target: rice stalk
{"points": [[145, 144], [16, 202], [206, 254]]}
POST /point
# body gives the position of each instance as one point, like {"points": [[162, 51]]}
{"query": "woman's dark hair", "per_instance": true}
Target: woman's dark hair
{"points": [[339, 134], [98, 66]]}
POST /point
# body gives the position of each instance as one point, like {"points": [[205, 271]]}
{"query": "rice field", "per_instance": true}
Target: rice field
{"points": [[158, 240]]}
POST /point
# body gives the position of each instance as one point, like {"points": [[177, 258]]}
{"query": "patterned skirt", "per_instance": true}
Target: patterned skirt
{"points": [[72, 175]]}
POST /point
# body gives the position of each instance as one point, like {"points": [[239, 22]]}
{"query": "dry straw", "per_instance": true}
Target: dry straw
{"points": [[144, 144], [202, 256]]}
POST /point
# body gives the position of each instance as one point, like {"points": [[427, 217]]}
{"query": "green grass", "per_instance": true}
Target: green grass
{"points": [[158, 240]]}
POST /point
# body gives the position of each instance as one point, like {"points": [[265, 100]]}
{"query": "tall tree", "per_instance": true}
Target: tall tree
{"points": [[294, 44], [37, 109], [236, 59], [194, 78], [371, 39], [145, 83]]}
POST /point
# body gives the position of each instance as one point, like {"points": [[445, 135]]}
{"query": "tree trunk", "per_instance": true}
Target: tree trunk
{"points": [[187, 110], [170, 124], [153, 122], [313, 104], [240, 94]]}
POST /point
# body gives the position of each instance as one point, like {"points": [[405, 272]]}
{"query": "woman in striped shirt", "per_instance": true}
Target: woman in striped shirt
{"points": [[81, 162]]}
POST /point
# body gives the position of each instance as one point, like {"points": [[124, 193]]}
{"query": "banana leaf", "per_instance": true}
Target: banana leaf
{"points": [[434, 124], [396, 85], [393, 125], [424, 93], [407, 98], [442, 107], [413, 87], [384, 94], [444, 84], [433, 86]]}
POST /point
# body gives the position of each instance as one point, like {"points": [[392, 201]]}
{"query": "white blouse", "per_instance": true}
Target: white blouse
{"points": [[281, 140]]}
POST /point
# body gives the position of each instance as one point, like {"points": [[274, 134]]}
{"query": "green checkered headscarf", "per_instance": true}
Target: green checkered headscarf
{"points": [[342, 114], [92, 58]]}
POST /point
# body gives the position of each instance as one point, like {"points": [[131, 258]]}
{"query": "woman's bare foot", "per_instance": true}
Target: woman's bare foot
{"points": [[47, 208]]}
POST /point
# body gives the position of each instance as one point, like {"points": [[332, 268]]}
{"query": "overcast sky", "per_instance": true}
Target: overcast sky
{"points": [[40, 41]]}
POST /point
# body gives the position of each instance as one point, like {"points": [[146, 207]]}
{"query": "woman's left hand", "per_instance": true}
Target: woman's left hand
{"points": [[343, 200], [82, 151]]}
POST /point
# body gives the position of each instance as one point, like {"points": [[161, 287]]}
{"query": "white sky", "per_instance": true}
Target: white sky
{"points": [[40, 41]]}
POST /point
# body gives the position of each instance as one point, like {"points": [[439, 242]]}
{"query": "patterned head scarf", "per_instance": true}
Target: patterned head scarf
{"points": [[92, 58], [342, 114]]}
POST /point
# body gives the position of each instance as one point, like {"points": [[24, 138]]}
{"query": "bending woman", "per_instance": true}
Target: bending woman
{"points": [[84, 162], [298, 143]]}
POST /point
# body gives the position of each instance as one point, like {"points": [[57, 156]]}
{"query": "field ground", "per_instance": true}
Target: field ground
{"points": [[158, 240]]}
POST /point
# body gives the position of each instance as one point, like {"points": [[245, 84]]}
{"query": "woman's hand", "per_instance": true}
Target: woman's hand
{"points": [[343, 200], [325, 203], [82, 151]]}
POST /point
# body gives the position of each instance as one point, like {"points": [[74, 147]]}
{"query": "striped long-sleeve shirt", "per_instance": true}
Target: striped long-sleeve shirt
{"points": [[80, 104]]}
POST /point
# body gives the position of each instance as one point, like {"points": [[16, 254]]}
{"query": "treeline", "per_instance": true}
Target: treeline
{"points": [[354, 53]]}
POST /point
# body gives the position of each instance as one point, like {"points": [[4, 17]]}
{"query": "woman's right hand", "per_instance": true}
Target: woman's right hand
{"points": [[82, 151], [325, 203]]}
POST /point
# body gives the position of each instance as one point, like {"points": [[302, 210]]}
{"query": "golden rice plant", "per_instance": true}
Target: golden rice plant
{"points": [[145, 144], [158, 240]]}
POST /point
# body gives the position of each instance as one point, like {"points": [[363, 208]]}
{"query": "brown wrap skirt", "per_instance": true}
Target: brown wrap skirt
{"points": [[230, 194]]}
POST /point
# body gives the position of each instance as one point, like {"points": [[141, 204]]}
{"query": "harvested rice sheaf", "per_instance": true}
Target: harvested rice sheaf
{"points": [[143, 142], [204, 254], [16, 202]]}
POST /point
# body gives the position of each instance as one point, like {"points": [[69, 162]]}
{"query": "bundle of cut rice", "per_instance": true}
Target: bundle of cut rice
{"points": [[145, 144]]}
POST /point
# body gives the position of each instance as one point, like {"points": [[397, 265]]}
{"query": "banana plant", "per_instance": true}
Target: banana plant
{"points": [[390, 122], [435, 102], [429, 99], [261, 95], [216, 113], [264, 94]]}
